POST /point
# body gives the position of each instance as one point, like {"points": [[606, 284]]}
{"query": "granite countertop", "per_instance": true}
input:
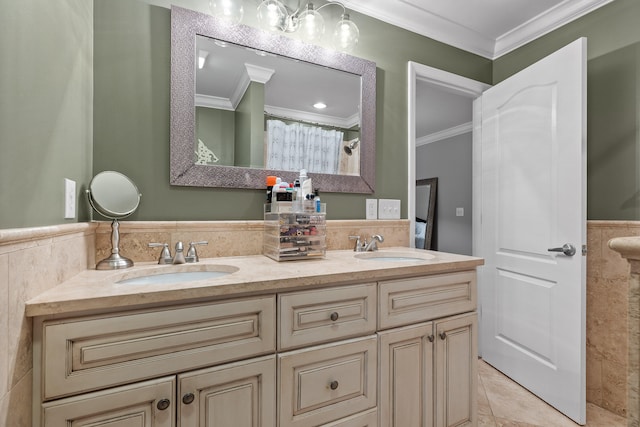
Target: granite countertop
{"points": [[99, 290]]}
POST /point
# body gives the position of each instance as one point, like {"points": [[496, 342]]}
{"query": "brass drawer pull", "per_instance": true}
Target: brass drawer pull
{"points": [[430, 338], [334, 316], [443, 335], [333, 385]]}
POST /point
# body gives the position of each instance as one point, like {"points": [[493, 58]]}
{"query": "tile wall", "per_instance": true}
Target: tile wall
{"points": [[607, 328], [36, 259]]}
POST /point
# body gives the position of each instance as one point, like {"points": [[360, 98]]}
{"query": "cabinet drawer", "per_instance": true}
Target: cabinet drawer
{"points": [[326, 383], [312, 317], [131, 405], [365, 419], [88, 353], [407, 301]]}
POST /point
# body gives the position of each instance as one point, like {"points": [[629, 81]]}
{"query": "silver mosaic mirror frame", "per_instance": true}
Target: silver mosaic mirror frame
{"points": [[185, 25]]}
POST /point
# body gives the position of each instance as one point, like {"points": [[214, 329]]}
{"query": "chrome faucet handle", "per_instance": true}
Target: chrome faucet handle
{"points": [[192, 254], [178, 258], [358, 246], [165, 255]]}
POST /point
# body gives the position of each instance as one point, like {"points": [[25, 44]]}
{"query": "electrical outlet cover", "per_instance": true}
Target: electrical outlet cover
{"points": [[389, 209], [372, 209], [69, 199]]}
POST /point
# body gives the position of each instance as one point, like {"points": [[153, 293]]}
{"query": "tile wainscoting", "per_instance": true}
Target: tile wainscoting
{"points": [[33, 260]]}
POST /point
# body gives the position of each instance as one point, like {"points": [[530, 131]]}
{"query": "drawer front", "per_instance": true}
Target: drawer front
{"points": [[365, 419], [313, 317], [131, 405], [326, 383], [407, 301], [99, 351]]}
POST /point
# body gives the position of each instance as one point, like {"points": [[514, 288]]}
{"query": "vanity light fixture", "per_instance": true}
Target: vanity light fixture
{"points": [[277, 16]]}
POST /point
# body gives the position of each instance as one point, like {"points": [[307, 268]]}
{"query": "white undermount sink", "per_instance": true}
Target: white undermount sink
{"points": [[161, 276], [395, 256]]}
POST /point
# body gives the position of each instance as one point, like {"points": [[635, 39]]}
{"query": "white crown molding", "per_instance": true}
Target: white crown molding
{"points": [[259, 74], [409, 15], [545, 23], [445, 134], [419, 20], [319, 119], [209, 101]]}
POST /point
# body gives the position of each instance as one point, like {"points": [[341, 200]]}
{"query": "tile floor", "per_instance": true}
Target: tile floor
{"points": [[503, 403]]}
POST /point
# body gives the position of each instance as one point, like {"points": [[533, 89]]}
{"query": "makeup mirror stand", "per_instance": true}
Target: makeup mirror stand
{"points": [[114, 196], [115, 260]]}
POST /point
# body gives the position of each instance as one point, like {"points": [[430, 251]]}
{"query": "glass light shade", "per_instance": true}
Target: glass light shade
{"points": [[310, 24], [228, 10], [272, 15], [346, 34]]}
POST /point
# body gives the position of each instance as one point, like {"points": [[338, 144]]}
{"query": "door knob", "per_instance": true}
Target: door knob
{"points": [[568, 249]]}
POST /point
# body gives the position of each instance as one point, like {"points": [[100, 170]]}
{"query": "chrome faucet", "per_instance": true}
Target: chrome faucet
{"points": [[373, 243], [363, 246], [179, 258]]}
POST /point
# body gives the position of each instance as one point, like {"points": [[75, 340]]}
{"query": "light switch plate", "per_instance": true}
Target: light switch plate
{"points": [[69, 199], [389, 209], [372, 209], [459, 211]]}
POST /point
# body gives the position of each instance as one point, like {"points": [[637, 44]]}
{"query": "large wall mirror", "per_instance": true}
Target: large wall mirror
{"points": [[242, 109]]}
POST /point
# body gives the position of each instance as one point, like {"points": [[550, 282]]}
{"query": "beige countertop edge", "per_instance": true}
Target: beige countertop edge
{"points": [[257, 274]]}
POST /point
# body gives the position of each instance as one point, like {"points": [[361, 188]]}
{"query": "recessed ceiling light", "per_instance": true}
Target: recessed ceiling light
{"points": [[319, 105]]}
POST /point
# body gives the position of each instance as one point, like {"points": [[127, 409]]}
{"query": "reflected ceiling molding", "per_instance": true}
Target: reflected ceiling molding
{"points": [[253, 73], [445, 134], [209, 101], [319, 119]]}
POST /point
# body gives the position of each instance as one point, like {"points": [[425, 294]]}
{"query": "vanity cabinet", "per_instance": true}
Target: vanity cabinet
{"points": [[428, 368], [428, 374], [393, 353]]}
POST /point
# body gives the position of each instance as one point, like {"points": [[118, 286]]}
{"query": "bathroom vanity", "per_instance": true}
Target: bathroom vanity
{"points": [[352, 340]]}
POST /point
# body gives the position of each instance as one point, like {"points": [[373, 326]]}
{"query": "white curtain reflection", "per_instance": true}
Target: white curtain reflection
{"points": [[296, 146]]}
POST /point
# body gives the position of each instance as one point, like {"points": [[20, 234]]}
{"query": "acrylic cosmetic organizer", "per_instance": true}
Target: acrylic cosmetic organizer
{"points": [[293, 232]]}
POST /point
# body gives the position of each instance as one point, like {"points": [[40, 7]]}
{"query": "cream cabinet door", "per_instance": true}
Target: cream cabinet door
{"points": [[406, 376], [239, 394], [145, 404], [456, 371]]}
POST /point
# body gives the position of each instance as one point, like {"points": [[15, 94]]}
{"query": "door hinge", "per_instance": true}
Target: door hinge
{"points": [[584, 250]]}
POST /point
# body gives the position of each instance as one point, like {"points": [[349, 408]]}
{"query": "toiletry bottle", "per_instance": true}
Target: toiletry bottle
{"points": [[297, 196], [271, 181], [316, 199]]}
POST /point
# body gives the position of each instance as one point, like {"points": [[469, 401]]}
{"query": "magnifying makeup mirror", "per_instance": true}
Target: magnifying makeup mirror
{"points": [[114, 196]]}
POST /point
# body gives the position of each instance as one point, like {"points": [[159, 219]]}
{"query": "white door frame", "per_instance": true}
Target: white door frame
{"points": [[456, 84]]}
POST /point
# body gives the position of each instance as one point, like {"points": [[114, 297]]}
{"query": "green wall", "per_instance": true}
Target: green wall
{"points": [[46, 96], [215, 128], [613, 110], [131, 110]]}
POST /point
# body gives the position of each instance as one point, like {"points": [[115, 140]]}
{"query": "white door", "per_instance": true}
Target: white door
{"points": [[532, 198]]}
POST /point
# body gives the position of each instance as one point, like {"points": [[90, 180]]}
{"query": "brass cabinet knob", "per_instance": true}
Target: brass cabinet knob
{"points": [[443, 335], [163, 404], [334, 316], [188, 398], [333, 385], [430, 338]]}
